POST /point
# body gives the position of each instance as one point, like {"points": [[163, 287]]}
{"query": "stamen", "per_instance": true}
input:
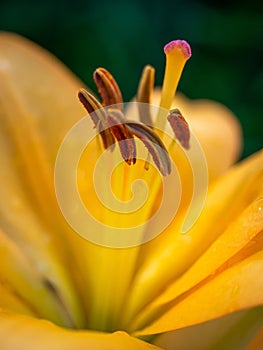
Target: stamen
{"points": [[91, 104], [180, 127], [144, 92], [147, 162], [108, 139], [98, 116], [177, 53], [154, 145], [107, 87], [123, 135]]}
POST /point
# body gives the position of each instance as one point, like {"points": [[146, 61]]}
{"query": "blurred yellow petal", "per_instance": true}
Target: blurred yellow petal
{"points": [[216, 128], [37, 93], [38, 105], [45, 289], [40, 85], [33, 239], [11, 301], [23, 332]]}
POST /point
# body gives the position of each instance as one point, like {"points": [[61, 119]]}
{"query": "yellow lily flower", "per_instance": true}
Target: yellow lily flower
{"points": [[107, 290]]}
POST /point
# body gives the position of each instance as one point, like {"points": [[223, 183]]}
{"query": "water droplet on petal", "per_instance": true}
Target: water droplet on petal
{"points": [[259, 205]]}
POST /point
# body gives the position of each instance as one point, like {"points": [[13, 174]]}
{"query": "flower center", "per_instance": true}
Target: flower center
{"points": [[129, 219]]}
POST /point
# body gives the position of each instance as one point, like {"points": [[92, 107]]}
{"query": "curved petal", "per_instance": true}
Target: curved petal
{"points": [[225, 278], [24, 332], [37, 105], [171, 254], [236, 288]]}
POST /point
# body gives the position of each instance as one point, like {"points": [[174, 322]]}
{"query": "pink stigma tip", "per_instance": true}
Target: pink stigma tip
{"points": [[179, 44]]}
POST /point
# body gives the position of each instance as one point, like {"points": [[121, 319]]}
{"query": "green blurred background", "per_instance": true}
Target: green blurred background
{"points": [[226, 39]]}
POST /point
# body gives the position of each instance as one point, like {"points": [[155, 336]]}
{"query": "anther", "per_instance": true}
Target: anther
{"points": [[144, 92], [154, 145], [98, 116], [91, 104], [123, 135], [107, 87], [180, 127]]}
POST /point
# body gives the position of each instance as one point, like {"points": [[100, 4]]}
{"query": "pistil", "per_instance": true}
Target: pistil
{"points": [[177, 53]]}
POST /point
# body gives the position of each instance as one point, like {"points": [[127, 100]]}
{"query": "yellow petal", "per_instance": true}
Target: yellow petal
{"points": [[42, 87], [242, 237], [45, 293], [21, 227], [236, 288], [240, 240], [23, 332], [168, 256], [38, 106], [36, 93], [11, 301]]}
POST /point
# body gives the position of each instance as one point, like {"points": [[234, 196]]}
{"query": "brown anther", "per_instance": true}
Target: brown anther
{"points": [[91, 104], [98, 116], [107, 87], [154, 145], [180, 127], [144, 92], [112, 126], [123, 135]]}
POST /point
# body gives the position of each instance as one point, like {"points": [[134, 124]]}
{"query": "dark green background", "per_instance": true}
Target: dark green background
{"points": [[225, 36]]}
